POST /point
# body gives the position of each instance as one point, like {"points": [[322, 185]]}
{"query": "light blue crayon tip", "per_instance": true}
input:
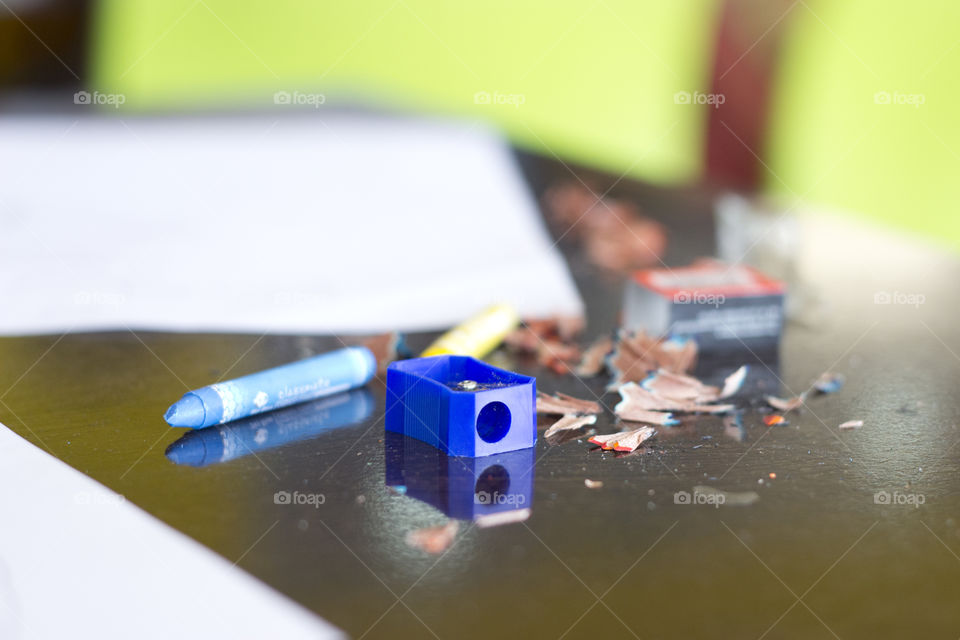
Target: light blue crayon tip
{"points": [[186, 412]]}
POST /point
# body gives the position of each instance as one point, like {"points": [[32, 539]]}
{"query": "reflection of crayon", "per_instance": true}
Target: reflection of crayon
{"points": [[212, 445], [478, 336], [281, 386]]}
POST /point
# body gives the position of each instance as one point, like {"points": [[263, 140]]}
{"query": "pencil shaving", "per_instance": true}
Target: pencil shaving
{"points": [[829, 382], [522, 340], [624, 440], [733, 427], [559, 357], [632, 414], [635, 242], [585, 406], [636, 353], [677, 386], [635, 397], [569, 422], [434, 539], [386, 348], [562, 404], [734, 382], [551, 340], [790, 404], [534, 330], [634, 439], [605, 441], [500, 518], [614, 233], [593, 362]]}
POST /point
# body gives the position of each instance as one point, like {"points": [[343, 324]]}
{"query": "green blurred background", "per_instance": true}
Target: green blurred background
{"points": [[841, 105]]}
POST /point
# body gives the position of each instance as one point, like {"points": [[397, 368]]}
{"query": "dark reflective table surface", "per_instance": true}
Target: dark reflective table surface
{"points": [[857, 536]]}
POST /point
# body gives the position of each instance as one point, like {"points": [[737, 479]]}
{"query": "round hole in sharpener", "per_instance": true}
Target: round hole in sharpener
{"points": [[493, 422]]}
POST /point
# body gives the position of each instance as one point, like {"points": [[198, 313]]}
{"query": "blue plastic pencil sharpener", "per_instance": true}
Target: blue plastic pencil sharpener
{"points": [[461, 406]]}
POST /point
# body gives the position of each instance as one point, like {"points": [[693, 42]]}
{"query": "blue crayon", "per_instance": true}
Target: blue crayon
{"points": [[281, 386], [213, 445]]}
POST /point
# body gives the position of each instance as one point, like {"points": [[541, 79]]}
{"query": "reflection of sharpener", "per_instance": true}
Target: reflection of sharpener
{"points": [[460, 405], [493, 489]]}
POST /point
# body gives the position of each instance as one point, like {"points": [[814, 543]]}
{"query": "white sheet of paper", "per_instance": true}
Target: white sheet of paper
{"points": [[284, 224], [77, 561]]}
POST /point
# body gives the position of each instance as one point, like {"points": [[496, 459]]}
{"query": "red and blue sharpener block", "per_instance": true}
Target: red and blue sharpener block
{"points": [[462, 406]]}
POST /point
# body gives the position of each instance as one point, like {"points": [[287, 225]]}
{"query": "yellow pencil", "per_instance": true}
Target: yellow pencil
{"points": [[478, 336]]}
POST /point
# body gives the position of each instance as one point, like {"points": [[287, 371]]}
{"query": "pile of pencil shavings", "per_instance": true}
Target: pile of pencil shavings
{"points": [[653, 379]]}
